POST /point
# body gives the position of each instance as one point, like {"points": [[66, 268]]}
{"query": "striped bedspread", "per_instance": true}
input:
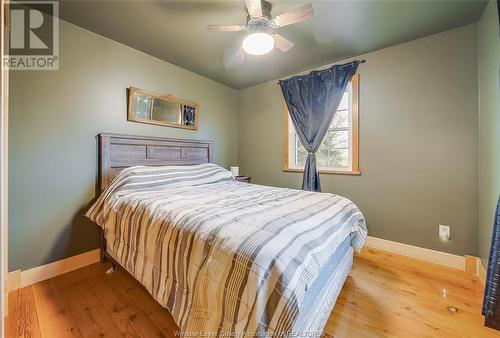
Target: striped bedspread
{"points": [[223, 257]]}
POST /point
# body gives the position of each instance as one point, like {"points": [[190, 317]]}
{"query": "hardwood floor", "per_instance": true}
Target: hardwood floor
{"points": [[385, 296]]}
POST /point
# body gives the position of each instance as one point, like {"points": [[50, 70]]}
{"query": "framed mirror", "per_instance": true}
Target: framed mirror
{"points": [[165, 110]]}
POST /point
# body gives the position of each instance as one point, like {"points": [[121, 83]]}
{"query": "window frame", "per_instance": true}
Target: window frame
{"points": [[354, 137]]}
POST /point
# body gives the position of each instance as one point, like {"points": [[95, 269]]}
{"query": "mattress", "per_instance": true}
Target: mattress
{"points": [[324, 292], [230, 258]]}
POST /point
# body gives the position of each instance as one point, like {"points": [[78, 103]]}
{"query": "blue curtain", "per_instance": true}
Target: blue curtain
{"points": [[312, 101], [491, 302]]}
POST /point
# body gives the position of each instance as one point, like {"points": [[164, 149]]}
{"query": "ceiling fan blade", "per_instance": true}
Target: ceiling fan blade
{"points": [[282, 44], [254, 7], [239, 54], [233, 56], [223, 28], [295, 15]]}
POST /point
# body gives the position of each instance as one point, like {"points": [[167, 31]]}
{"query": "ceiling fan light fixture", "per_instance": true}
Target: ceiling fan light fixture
{"points": [[258, 43]]}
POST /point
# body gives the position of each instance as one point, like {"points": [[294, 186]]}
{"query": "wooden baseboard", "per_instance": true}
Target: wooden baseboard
{"points": [[481, 271], [428, 255], [470, 264], [475, 266], [19, 279], [13, 280]]}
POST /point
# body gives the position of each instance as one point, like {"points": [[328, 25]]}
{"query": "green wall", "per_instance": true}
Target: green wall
{"points": [[489, 124], [54, 119], [418, 138], [418, 141]]}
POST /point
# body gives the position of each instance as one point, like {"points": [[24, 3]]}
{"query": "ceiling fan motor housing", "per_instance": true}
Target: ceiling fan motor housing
{"points": [[264, 22]]}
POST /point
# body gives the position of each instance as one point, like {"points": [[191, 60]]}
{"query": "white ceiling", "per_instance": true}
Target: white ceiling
{"points": [[175, 31]]}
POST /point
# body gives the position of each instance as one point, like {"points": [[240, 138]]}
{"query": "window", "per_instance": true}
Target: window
{"points": [[338, 153]]}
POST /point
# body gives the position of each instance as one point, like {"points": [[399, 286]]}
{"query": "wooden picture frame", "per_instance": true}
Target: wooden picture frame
{"points": [[184, 107]]}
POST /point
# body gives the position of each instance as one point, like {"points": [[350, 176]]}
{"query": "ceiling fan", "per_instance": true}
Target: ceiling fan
{"points": [[262, 25]]}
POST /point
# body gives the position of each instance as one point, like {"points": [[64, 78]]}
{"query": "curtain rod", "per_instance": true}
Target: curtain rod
{"points": [[359, 61]]}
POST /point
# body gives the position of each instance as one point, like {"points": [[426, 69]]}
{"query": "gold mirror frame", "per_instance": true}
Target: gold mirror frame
{"points": [[131, 116]]}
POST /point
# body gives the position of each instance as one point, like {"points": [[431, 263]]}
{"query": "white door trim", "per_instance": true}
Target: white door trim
{"points": [[4, 138]]}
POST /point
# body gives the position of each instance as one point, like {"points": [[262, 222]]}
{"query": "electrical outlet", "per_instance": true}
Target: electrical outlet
{"points": [[444, 232]]}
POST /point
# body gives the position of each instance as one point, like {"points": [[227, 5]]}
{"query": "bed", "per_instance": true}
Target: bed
{"points": [[226, 258]]}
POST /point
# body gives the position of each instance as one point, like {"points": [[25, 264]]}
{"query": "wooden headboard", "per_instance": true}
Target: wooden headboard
{"points": [[121, 151]]}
